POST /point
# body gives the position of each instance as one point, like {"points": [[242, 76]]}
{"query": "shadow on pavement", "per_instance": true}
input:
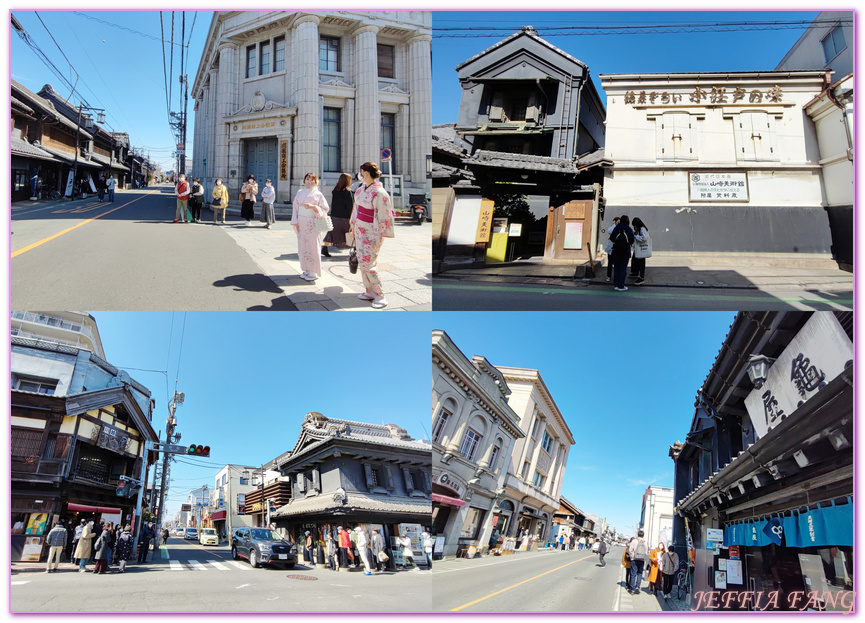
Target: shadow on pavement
{"points": [[257, 283]]}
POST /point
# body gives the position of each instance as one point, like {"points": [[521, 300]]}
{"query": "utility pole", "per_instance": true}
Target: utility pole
{"points": [[169, 432]]}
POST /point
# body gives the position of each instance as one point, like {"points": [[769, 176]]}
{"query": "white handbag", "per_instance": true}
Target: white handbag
{"points": [[323, 224], [643, 250]]}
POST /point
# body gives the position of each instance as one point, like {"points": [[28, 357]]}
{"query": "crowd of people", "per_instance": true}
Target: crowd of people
{"points": [[104, 543], [627, 243], [663, 566], [362, 548], [359, 220]]}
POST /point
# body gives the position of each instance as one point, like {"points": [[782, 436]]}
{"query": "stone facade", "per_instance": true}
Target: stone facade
{"points": [[281, 94]]}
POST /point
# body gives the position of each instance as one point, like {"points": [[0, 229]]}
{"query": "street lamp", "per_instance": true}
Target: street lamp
{"points": [[100, 119], [758, 369]]}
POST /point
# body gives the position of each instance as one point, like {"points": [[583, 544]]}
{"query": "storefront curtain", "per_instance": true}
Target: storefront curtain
{"points": [[815, 527]]}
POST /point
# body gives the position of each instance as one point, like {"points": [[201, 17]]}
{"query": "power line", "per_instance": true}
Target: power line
{"points": [[136, 32]]}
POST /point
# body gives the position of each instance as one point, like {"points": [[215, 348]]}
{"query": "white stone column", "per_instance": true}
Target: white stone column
{"points": [[212, 129], [367, 117], [349, 164], [420, 87], [307, 135], [226, 104]]}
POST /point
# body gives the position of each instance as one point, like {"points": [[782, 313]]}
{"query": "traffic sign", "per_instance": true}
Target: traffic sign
{"points": [[170, 448], [386, 155]]}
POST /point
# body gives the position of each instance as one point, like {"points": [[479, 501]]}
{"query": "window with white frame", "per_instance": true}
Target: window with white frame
{"points": [[834, 43], [328, 53], [547, 444], [250, 61], [264, 64], [494, 455], [34, 384], [539, 479], [439, 425], [388, 134], [330, 142], [535, 427], [279, 54], [471, 441], [525, 471]]}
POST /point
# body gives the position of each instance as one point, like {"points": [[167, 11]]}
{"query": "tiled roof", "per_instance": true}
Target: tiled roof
{"points": [[46, 106], [23, 148], [19, 104], [525, 31], [486, 158], [333, 501], [63, 155], [106, 161]]}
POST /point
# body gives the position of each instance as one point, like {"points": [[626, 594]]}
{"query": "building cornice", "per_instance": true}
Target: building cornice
{"points": [[533, 377]]}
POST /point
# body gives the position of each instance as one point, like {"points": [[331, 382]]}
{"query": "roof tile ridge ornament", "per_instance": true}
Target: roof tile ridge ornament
{"points": [[529, 30]]}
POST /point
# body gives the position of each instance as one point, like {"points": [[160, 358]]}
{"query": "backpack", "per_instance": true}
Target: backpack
{"points": [[621, 245], [640, 550]]}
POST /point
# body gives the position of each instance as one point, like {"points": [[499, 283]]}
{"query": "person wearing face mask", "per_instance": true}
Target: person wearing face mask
{"points": [[309, 204], [268, 196], [219, 200], [372, 222], [247, 197], [181, 191]]}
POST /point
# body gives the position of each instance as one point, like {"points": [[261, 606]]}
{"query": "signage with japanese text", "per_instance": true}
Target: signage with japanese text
{"points": [[816, 356], [283, 161], [717, 186], [485, 221], [704, 97], [257, 125]]}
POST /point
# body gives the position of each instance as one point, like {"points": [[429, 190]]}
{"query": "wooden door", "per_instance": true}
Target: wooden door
{"points": [[570, 232]]}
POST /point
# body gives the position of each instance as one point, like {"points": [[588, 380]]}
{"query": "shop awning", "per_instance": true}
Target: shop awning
{"points": [[443, 499], [94, 509], [218, 516], [826, 526]]}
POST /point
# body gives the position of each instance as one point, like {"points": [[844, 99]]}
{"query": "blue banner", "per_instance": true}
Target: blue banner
{"points": [[829, 526]]}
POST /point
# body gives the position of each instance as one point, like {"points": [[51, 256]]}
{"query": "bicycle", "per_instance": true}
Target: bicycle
{"points": [[683, 580]]}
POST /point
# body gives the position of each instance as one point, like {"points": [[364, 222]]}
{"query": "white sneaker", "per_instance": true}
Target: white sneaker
{"points": [[622, 289]]}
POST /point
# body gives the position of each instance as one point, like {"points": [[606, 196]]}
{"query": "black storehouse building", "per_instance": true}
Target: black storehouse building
{"points": [[764, 477]]}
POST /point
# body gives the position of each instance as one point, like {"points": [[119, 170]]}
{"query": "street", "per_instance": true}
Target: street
{"points": [[558, 295], [187, 577], [542, 581], [131, 255]]}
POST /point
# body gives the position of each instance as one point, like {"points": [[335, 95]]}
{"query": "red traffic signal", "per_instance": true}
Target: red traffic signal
{"points": [[194, 450]]}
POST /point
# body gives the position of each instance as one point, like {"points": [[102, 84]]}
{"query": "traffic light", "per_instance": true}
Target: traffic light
{"points": [[125, 489], [194, 450]]}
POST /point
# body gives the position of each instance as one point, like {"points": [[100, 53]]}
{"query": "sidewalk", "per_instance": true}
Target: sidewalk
{"points": [[404, 264], [676, 271]]}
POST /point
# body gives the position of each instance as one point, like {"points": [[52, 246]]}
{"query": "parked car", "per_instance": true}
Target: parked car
{"points": [[191, 533], [261, 546], [208, 536]]}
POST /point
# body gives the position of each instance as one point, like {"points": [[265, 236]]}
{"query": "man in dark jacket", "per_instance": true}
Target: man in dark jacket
{"points": [[602, 551], [56, 540], [147, 534], [622, 237]]}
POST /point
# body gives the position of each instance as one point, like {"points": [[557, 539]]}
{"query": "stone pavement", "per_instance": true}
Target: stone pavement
{"points": [[404, 264], [673, 270]]}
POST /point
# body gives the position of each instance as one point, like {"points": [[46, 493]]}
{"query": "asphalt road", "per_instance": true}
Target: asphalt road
{"points": [[130, 255], [187, 577], [466, 295]]}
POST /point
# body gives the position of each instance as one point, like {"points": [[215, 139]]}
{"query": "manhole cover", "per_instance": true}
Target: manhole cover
{"points": [[301, 577], [582, 579]]}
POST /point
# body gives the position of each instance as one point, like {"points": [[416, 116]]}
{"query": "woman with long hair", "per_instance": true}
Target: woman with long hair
{"points": [[247, 197], [309, 205], [638, 264], [372, 222], [622, 237], [341, 205]]}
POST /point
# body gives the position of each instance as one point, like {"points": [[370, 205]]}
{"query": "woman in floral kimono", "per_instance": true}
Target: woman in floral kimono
{"points": [[309, 204], [372, 221]]}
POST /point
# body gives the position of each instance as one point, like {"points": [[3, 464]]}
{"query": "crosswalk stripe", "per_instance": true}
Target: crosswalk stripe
{"points": [[175, 565], [19, 582], [218, 565], [197, 565], [239, 565]]}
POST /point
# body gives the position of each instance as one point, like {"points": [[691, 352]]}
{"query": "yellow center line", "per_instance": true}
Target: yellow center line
{"points": [[504, 590], [66, 231]]}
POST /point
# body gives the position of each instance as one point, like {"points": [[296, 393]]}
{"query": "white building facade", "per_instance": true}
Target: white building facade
{"points": [[724, 163], [536, 468], [280, 94], [230, 487], [656, 515], [474, 430]]}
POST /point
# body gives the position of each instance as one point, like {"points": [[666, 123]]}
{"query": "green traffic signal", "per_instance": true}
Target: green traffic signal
{"points": [[198, 450]]}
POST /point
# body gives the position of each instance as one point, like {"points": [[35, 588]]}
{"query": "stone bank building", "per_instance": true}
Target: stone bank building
{"points": [[280, 94]]}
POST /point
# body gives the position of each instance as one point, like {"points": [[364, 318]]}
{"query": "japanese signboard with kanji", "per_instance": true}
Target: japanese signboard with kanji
{"points": [[706, 96], [485, 221], [816, 356], [717, 186], [283, 161]]}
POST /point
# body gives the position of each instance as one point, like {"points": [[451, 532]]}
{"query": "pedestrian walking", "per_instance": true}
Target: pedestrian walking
{"points": [[219, 200], [56, 541], [573, 541], [642, 251], [110, 184], [100, 187], [427, 543], [341, 206], [332, 552], [622, 238], [165, 536], [407, 554], [145, 537], [196, 200], [85, 546], [363, 550], [268, 197], [124, 548], [602, 551], [372, 222], [309, 205], [626, 563], [345, 555], [77, 537], [181, 191], [596, 545], [309, 548], [112, 540], [379, 554], [247, 198], [654, 572], [608, 249], [669, 566], [103, 546], [638, 551]]}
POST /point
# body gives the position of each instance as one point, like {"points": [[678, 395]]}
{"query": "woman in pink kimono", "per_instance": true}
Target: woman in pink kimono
{"points": [[309, 204], [372, 221]]}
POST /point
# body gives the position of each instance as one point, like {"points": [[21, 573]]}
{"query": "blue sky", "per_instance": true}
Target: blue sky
{"points": [[625, 383], [249, 379], [612, 53], [119, 70]]}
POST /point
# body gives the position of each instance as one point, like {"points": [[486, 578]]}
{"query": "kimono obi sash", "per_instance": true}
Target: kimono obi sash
{"points": [[364, 214]]}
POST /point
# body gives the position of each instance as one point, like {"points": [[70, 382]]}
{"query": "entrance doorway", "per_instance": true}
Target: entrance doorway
{"points": [[262, 161], [569, 230]]}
